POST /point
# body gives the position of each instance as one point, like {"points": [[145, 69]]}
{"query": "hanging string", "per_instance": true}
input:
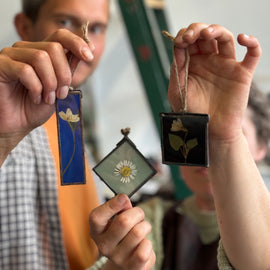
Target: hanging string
{"points": [[85, 32], [183, 97], [84, 28]]}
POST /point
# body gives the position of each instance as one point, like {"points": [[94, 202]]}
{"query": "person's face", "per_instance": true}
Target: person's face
{"points": [[72, 14], [196, 178]]}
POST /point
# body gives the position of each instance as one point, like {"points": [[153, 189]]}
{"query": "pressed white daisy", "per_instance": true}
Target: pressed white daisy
{"points": [[126, 170]]}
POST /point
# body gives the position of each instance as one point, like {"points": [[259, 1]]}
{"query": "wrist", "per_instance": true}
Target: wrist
{"points": [[229, 158], [7, 143], [109, 265], [219, 150]]}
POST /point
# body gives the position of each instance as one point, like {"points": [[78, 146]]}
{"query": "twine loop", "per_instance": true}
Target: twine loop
{"points": [[84, 28], [183, 96], [125, 131]]}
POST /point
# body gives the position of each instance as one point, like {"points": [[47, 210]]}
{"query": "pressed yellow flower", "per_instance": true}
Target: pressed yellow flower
{"points": [[69, 116], [126, 170], [178, 126]]}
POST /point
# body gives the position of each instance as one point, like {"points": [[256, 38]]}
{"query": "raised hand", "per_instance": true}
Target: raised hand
{"points": [[32, 75], [217, 83], [119, 231]]}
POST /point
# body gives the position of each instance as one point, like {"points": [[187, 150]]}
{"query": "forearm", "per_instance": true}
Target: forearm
{"points": [[7, 144], [110, 266], [5, 149], [243, 205]]}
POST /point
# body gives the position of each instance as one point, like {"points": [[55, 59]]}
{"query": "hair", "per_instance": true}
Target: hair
{"points": [[31, 8], [259, 104]]}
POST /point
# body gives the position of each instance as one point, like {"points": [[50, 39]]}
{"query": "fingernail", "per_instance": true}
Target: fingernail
{"points": [[122, 199], [189, 32], [247, 36], [210, 29], [50, 98], [62, 92], [87, 54], [37, 100]]}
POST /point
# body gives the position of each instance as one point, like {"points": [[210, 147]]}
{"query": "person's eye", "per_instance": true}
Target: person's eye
{"points": [[97, 29], [66, 23]]}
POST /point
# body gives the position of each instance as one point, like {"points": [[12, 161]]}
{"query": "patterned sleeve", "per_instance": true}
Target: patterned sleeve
{"points": [[98, 264], [223, 261]]}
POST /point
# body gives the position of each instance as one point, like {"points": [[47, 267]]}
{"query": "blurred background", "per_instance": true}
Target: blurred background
{"points": [[117, 89]]}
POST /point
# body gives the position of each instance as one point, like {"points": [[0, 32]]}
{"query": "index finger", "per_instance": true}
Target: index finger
{"points": [[73, 43], [100, 216], [225, 39]]}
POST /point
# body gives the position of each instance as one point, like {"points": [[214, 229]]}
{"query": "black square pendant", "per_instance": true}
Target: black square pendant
{"points": [[184, 139]]}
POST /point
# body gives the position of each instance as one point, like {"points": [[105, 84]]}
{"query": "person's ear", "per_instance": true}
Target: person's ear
{"points": [[261, 152], [24, 26]]}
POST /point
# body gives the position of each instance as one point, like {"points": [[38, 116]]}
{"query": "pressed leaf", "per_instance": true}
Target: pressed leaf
{"points": [[175, 141], [192, 143]]}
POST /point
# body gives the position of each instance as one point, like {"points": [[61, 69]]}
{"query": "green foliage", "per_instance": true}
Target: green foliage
{"points": [[175, 141]]}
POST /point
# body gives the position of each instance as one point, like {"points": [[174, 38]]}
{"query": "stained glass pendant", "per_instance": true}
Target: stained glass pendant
{"points": [[70, 137], [184, 139], [125, 169], [184, 136]]}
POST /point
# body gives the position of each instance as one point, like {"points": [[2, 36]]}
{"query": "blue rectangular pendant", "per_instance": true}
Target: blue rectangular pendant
{"points": [[70, 136]]}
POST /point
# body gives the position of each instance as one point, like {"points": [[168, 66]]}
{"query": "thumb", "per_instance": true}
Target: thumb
{"points": [[253, 53]]}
